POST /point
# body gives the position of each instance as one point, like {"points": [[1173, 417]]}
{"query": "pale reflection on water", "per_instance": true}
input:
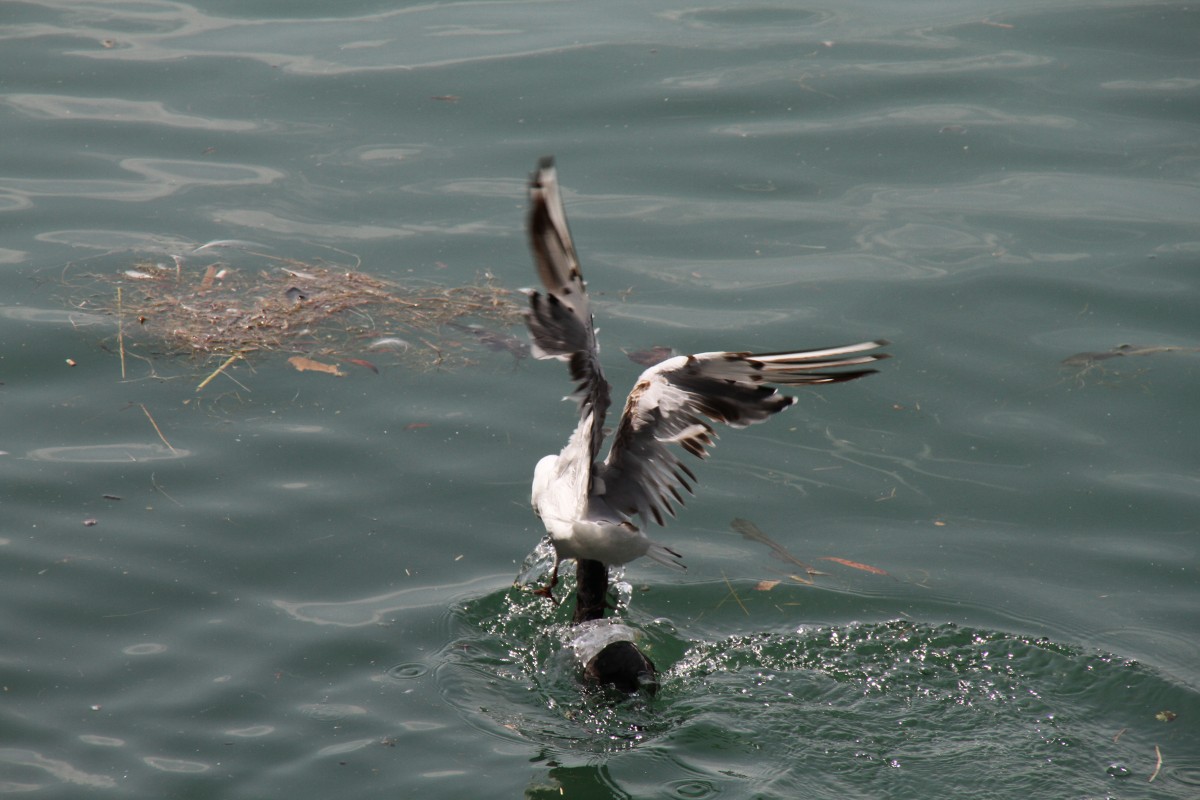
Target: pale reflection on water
{"points": [[130, 452], [373, 610]]}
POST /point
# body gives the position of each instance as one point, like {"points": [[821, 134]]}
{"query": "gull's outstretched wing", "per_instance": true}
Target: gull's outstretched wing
{"points": [[560, 321], [674, 402]]}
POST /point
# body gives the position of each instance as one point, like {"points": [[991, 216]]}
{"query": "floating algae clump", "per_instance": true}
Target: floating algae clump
{"points": [[258, 304]]}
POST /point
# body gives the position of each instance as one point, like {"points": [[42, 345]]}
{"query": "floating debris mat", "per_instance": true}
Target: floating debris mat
{"points": [[257, 304]]}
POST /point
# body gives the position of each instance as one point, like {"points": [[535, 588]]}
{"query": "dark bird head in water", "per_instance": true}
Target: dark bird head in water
{"points": [[622, 665]]}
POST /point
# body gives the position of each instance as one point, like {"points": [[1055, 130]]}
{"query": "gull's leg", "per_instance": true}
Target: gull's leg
{"points": [[591, 590], [547, 591]]}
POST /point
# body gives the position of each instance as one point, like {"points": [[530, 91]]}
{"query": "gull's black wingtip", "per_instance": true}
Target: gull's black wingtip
{"points": [[545, 165]]}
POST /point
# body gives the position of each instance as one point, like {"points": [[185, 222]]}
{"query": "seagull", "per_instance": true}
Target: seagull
{"points": [[587, 505]]}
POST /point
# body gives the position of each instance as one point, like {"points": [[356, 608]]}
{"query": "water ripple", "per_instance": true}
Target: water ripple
{"points": [[108, 453], [159, 178], [60, 770], [406, 672], [175, 764], [115, 109], [331, 712], [372, 610], [55, 316]]}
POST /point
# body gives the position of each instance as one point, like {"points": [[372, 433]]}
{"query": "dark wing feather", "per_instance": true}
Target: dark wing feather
{"points": [[560, 321], [674, 402]]}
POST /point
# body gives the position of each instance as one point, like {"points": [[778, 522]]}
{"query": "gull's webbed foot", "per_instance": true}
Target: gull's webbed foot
{"points": [[547, 591]]}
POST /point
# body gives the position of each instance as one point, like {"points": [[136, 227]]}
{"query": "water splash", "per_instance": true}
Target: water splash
{"points": [[829, 710]]}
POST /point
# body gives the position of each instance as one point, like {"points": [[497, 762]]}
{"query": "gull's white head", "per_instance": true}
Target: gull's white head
{"points": [[543, 474]]}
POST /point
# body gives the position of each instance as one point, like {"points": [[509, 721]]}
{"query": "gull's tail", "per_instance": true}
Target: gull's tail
{"points": [[665, 556]]}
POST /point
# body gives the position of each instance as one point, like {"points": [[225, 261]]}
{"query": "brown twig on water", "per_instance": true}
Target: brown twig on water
{"points": [[219, 370], [162, 491], [1157, 764], [732, 593], [157, 430], [121, 332]]}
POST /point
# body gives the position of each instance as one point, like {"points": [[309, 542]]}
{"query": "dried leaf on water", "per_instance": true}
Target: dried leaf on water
{"points": [[303, 364], [210, 274], [364, 364], [845, 562]]}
